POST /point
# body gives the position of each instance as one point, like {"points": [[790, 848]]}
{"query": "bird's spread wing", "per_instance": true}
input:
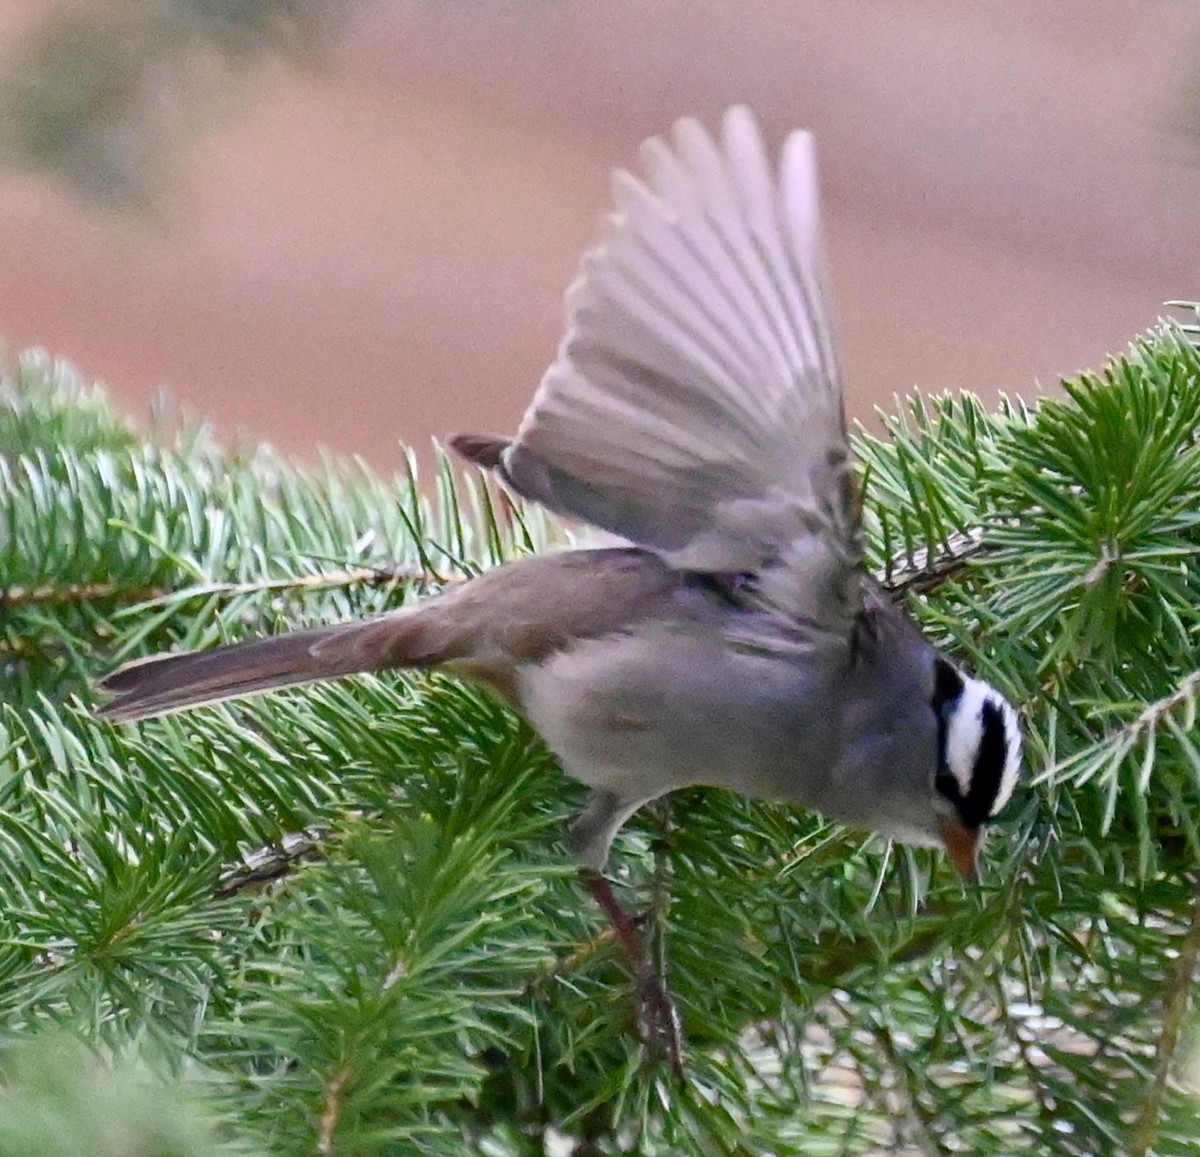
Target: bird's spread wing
{"points": [[694, 406]]}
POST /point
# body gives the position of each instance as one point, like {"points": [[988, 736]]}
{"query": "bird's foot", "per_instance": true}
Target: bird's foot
{"points": [[658, 1021]]}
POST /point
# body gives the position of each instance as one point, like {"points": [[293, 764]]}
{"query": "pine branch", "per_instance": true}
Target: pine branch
{"points": [[354, 905], [14, 597], [903, 574], [1179, 997], [1103, 758], [269, 865]]}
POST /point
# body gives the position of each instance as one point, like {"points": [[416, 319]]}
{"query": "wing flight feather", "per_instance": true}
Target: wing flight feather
{"points": [[694, 406]]}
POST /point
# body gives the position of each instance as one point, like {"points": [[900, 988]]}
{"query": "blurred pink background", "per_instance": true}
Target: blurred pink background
{"points": [[375, 251]]}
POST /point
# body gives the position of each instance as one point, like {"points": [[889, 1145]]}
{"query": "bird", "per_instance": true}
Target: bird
{"points": [[726, 631]]}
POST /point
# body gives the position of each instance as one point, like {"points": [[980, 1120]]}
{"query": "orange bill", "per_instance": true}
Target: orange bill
{"points": [[962, 846]]}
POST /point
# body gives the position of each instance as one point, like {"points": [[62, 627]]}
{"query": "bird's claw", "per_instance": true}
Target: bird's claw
{"points": [[659, 1024]]}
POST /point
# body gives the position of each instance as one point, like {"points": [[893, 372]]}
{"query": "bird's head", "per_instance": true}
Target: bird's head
{"points": [[979, 760]]}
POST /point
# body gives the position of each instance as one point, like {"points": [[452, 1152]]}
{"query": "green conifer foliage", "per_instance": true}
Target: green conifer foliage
{"points": [[343, 919]]}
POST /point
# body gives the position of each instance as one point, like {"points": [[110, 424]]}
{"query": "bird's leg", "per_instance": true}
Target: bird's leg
{"points": [[591, 836], [658, 1018]]}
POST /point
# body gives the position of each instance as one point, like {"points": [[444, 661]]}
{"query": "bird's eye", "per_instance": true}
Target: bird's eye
{"points": [[946, 785], [948, 687]]}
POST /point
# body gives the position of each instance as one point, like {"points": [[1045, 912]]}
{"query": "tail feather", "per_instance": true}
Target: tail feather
{"points": [[485, 450], [485, 630], [162, 684]]}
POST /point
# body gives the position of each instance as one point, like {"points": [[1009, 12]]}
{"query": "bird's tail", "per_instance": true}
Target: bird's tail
{"points": [[165, 683]]}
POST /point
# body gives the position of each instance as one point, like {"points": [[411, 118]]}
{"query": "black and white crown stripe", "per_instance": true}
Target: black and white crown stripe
{"points": [[979, 745]]}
